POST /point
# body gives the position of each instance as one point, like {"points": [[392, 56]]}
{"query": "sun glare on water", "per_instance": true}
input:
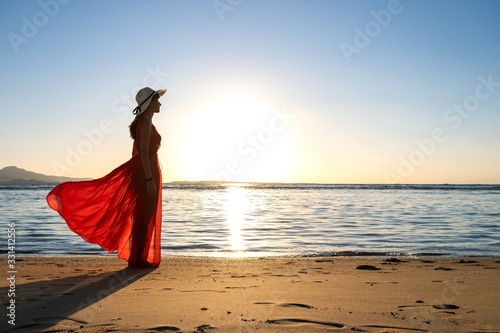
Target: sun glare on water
{"points": [[237, 205], [236, 139]]}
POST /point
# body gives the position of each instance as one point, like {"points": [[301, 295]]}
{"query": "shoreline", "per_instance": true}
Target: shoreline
{"points": [[344, 254], [270, 294]]}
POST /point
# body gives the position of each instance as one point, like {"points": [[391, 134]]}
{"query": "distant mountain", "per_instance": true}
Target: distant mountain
{"points": [[15, 175]]}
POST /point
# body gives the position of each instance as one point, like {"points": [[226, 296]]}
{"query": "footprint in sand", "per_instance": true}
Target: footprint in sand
{"points": [[368, 268], [393, 260], [383, 328], [202, 328], [443, 307], [446, 306], [298, 305], [374, 283], [324, 260], [289, 305], [297, 322], [461, 261], [165, 329]]}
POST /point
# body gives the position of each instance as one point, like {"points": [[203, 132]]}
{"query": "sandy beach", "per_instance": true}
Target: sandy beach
{"points": [[315, 294]]}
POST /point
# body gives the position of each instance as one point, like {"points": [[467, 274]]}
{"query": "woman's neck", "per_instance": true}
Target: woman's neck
{"points": [[148, 116]]}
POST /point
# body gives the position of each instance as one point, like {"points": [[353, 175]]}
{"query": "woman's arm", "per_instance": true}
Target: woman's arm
{"points": [[145, 136]]}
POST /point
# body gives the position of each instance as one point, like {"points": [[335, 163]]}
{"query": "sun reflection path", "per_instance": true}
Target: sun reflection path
{"points": [[236, 204]]}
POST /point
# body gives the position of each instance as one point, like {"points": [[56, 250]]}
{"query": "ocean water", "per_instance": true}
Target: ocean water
{"points": [[285, 220]]}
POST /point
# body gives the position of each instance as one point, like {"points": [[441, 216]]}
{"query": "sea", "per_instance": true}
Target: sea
{"points": [[261, 220]]}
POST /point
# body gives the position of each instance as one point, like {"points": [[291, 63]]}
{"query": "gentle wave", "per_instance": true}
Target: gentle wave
{"points": [[287, 186], [307, 186]]}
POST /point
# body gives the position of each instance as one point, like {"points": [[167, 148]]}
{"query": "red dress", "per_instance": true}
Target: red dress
{"points": [[115, 211]]}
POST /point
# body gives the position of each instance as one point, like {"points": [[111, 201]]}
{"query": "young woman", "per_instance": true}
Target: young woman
{"points": [[122, 210]]}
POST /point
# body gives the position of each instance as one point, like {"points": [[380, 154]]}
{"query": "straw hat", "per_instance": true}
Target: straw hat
{"points": [[144, 97]]}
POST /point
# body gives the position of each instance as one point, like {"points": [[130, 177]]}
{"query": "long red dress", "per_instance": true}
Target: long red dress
{"points": [[115, 211]]}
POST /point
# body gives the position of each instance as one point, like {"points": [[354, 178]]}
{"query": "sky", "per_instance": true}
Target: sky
{"points": [[258, 90]]}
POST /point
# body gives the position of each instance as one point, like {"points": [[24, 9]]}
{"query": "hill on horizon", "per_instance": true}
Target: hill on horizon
{"points": [[15, 175]]}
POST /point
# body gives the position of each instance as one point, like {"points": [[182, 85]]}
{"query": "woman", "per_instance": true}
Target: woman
{"points": [[122, 210]]}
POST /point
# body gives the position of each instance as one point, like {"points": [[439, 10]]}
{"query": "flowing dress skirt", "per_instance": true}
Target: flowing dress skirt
{"points": [[115, 211]]}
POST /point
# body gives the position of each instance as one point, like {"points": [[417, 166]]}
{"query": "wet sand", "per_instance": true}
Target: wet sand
{"points": [[319, 294]]}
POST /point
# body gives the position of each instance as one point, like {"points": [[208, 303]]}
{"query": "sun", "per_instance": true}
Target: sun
{"points": [[236, 139]]}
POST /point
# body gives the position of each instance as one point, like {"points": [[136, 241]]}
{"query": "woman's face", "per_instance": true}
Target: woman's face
{"points": [[155, 105]]}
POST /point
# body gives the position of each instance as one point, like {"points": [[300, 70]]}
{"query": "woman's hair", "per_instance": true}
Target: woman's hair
{"points": [[133, 125]]}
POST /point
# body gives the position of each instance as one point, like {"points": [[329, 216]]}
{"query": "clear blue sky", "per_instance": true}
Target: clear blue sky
{"points": [[258, 90]]}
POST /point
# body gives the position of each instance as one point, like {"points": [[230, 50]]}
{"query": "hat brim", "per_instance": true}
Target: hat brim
{"points": [[145, 104], [160, 92]]}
